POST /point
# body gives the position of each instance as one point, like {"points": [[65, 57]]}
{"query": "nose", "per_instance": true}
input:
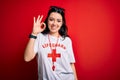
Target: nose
{"points": [[55, 23]]}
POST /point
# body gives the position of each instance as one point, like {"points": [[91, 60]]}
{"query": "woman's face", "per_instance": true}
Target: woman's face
{"points": [[54, 22]]}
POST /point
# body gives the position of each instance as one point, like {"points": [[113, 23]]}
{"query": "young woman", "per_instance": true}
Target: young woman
{"points": [[49, 40]]}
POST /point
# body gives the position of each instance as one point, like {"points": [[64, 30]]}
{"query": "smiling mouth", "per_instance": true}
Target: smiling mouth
{"points": [[54, 27]]}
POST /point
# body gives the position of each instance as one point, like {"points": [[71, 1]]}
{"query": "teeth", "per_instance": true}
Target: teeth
{"points": [[53, 27]]}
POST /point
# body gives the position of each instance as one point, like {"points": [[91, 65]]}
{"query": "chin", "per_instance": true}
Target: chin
{"points": [[53, 31]]}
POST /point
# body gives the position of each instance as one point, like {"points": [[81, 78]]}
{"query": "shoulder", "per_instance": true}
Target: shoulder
{"points": [[67, 40]]}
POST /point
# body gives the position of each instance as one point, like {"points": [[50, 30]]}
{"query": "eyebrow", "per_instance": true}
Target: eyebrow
{"points": [[53, 18]]}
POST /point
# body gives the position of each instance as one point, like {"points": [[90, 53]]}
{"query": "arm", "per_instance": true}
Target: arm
{"points": [[29, 51], [74, 70], [71, 56]]}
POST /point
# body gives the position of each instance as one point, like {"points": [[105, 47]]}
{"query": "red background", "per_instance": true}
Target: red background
{"points": [[94, 27]]}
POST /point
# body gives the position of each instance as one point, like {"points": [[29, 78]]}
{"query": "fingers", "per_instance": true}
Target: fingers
{"points": [[39, 19]]}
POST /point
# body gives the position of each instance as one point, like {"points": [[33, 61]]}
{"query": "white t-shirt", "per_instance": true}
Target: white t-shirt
{"points": [[65, 56]]}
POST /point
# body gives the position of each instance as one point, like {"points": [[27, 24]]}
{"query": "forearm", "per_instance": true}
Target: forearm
{"points": [[29, 51], [74, 70]]}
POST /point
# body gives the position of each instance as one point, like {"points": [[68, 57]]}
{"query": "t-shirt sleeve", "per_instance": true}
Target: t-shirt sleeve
{"points": [[70, 51]]}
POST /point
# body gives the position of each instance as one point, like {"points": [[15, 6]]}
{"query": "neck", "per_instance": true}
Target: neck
{"points": [[54, 34]]}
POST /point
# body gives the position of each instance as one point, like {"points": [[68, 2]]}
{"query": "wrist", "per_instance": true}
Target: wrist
{"points": [[35, 34], [32, 36]]}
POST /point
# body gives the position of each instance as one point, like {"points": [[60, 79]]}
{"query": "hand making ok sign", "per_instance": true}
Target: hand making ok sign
{"points": [[38, 25]]}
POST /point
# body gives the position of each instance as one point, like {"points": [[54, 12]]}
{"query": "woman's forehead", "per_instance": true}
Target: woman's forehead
{"points": [[55, 15]]}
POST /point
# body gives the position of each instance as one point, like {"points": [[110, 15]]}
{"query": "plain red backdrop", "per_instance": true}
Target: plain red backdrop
{"points": [[94, 27]]}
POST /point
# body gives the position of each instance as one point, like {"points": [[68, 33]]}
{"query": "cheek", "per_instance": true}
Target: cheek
{"points": [[49, 22], [60, 24]]}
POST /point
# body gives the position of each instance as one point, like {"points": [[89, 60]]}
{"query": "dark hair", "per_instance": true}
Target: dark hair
{"points": [[63, 30]]}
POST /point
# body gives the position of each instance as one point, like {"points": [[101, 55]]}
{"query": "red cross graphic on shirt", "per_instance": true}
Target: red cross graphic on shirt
{"points": [[53, 55]]}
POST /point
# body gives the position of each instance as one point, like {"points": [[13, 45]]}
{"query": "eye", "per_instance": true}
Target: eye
{"points": [[51, 19], [59, 20]]}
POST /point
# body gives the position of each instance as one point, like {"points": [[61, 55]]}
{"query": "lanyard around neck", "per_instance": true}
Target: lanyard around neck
{"points": [[51, 43]]}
